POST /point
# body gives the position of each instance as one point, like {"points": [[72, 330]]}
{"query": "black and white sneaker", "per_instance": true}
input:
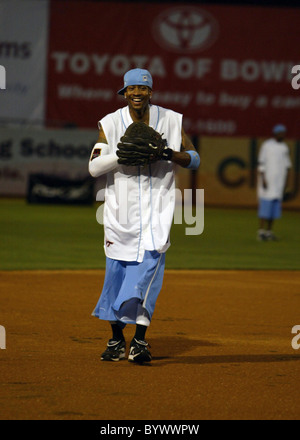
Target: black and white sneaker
{"points": [[115, 351], [139, 351], [261, 235], [270, 236]]}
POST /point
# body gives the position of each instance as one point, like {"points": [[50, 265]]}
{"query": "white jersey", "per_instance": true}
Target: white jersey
{"points": [[139, 201], [274, 161]]}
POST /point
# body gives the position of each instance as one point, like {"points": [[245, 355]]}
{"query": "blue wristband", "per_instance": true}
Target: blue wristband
{"points": [[195, 160]]}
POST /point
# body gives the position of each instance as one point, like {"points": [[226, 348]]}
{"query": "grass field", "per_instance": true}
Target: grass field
{"points": [[227, 343], [69, 237]]}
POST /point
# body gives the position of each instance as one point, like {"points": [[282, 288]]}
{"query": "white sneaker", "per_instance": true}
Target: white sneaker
{"points": [[270, 236], [261, 235]]}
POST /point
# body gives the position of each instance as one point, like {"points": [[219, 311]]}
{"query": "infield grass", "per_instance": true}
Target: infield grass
{"points": [[69, 237]]}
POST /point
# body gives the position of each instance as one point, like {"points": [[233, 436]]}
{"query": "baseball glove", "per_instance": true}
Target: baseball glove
{"points": [[287, 195], [141, 145]]}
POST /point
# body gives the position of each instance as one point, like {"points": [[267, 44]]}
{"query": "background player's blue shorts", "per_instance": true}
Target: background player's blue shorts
{"points": [[130, 285], [269, 209]]}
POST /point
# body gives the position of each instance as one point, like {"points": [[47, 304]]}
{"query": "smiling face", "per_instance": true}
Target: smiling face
{"points": [[138, 98]]}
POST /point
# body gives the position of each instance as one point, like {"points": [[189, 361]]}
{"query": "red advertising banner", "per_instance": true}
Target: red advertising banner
{"points": [[227, 69]]}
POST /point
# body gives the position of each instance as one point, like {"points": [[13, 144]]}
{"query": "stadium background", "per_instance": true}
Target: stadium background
{"points": [[231, 79]]}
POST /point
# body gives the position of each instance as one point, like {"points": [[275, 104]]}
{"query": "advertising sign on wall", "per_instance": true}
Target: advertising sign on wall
{"points": [[23, 55], [61, 153], [228, 69]]}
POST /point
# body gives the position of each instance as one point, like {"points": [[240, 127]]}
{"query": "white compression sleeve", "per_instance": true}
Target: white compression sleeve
{"points": [[101, 161]]}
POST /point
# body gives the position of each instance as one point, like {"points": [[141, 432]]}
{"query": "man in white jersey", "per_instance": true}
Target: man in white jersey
{"points": [[138, 213], [273, 165]]}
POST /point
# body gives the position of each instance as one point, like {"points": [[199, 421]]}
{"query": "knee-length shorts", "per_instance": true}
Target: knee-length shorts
{"points": [[130, 287], [269, 209]]}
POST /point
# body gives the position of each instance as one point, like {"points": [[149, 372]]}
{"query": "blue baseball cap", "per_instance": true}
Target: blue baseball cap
{"points": [[136, 77], [279, 128]]}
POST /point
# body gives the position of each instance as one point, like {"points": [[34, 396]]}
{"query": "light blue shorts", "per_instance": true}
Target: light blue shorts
{"points": [[269, 209], [130, 285]]}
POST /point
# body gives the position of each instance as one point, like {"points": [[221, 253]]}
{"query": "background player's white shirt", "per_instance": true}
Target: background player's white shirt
{"points": [[139, 201], [274, 161]]}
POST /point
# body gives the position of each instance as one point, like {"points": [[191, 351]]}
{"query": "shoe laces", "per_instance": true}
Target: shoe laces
{"points": [[143, 344], [113, 343]]}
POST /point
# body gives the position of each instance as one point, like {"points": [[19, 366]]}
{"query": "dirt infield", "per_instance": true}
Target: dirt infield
{"points": [[221, 343]]}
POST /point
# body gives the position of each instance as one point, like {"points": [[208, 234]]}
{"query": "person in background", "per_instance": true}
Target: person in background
{"points": [[273, 168]]}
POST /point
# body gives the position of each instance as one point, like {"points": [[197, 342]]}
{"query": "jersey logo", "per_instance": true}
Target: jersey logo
{"points": [[96, 153], [108, 243]]}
